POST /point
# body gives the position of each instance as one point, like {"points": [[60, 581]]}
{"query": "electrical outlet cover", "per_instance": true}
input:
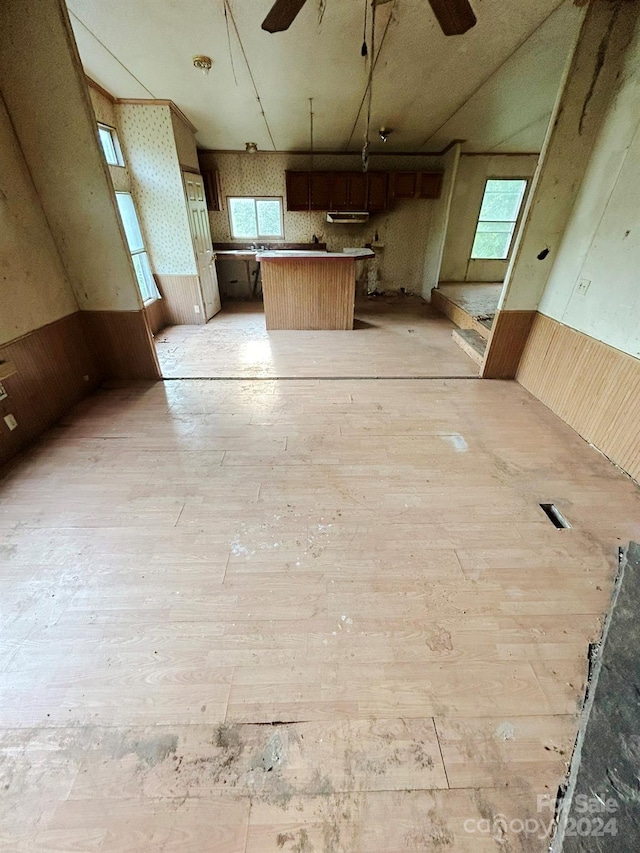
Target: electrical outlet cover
{"points": [[583, 286], [11, 422]]}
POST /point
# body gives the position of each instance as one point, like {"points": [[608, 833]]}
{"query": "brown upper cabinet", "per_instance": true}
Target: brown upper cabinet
{"points": [[430, 184], [320, 190], [378, 197], [404, 184], [339, 190], [297, 190], [358, 190], [211, 181]]}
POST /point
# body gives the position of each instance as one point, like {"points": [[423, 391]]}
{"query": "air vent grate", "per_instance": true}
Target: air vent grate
{"points": [[555, 516]]}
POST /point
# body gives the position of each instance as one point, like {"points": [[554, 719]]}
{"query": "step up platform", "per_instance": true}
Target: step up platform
{"points": [[471, 342]]}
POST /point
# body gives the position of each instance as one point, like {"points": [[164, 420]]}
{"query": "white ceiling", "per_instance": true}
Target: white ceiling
{"points": [[493, 87]]}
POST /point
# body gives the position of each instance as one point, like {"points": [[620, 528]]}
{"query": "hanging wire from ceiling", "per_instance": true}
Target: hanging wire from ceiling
{"points": [[364, 50], [226, 21], [375, 62], [322, 8], [111, 53], [365, 147], [246, 60]]}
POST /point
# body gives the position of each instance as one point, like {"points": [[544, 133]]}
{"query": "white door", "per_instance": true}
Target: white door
{"points": [[201, 234]]}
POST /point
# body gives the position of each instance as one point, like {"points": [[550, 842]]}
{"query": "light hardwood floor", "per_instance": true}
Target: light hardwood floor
{"points": [[395, 336], [312, 616]]}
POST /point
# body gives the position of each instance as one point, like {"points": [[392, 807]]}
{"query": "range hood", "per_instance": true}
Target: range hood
{"points": [[347, 217]]}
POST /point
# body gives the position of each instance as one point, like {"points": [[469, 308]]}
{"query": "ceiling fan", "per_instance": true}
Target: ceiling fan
{"points": [[454, 16]]}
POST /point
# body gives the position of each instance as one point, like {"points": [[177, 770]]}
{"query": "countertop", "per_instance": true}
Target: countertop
{"points": [[349, 253]]}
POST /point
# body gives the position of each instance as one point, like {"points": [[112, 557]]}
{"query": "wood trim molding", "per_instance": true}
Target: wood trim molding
{"points": [[506, 343], [55, 369], [122, 343], [593, 387], [100, 89]]}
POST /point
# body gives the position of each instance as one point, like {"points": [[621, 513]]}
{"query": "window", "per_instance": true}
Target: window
{"points": [[499, 213], [132, 231], [110, 145], [255, 218]]}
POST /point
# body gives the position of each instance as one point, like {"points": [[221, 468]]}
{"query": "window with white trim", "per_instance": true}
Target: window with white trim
{"points": [[110, 145], [131, 225], [255, 218], [501, 205]]}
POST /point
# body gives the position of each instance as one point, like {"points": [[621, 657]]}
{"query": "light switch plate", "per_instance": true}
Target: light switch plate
{"points": [[10, 421]]}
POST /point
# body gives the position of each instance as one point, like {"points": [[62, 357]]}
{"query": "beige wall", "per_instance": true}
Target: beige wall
{"points": [[473, 173], [34, 289], [149, 148], [404, 229], [600, 248], [46, 95]]}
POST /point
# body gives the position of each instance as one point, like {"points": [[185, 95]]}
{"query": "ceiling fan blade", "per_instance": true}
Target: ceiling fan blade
{"points": [[282, 15], [454, 16]]}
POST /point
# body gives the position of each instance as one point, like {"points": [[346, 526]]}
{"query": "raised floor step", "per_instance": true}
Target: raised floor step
{"points": [[458, 315], [471, 342]]}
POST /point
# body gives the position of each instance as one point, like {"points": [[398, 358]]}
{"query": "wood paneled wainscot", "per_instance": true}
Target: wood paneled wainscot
{"points": [[313, 290], [590, 385]]}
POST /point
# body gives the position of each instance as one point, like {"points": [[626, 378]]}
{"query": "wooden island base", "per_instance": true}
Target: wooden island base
{"points": [[309, 292]]}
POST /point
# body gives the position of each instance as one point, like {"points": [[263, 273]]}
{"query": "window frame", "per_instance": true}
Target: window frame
{"points": [[516, 221], [113, 133], [146, 300], [270, 237]]}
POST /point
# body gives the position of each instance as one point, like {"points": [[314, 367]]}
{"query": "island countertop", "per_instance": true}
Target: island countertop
{"points": [[299, 254]]}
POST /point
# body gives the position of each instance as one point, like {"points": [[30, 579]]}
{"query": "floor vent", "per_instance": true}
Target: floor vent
{"points": [[555, 516]]}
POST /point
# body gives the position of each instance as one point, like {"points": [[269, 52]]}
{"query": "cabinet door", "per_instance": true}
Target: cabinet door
{"points": [[339, 190], [357, 191], [430, 184], [211, 181], [378, 182], [405, 184], [297, 190], [319, 190]]}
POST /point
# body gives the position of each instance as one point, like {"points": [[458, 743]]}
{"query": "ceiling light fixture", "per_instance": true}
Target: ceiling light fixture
{"points": [[203, 63], [384, 133], [251, 147]]}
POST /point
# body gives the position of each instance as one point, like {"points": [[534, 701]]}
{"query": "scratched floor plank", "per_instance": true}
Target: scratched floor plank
{"points": [[298, 616]]}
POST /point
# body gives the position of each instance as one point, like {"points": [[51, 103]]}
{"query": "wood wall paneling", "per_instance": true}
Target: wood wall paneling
{"points": [[591, 386], [55, 369], [506, 343], [155, 312], [309, 294], [122, 343], [181, 296]]}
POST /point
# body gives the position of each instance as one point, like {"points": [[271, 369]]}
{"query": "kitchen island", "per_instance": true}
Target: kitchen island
{"points": [[309, 290]]}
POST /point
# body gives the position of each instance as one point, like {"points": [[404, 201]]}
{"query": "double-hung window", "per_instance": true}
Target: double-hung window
{"points": [[146, 282], [253, 218], [501, 205]]}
